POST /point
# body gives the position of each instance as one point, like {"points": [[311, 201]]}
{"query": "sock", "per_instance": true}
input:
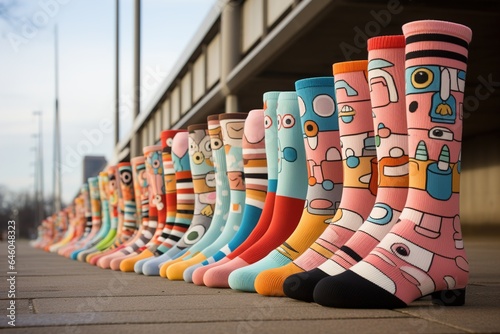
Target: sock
{"points": [[202, 171], [319, 122], [424, 252], [157, 206], [290, 194], [232, 135], [140, 184], [360, 176], [95, 204], [217, 273], [255, 175], [112, 195], [76, 214], [108, 239], [87, 216], [69, 233], [221, 203]]}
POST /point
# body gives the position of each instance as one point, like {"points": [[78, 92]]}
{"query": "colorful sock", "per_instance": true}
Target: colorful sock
{"points": [[385, 74], [112, 191], [139, 182], [108, 239], [255, 175], [221, 203], [217, 273], [87, 212], [65, 214], [232, 134], [202, 172], [157, 208], [360, 172], [320, 128], [168, 239], [290, 194], [424, 252], [96, 217]]}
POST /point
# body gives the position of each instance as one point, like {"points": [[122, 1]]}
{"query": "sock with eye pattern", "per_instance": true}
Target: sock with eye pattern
{"points": [[157, 206], [139, 181], [255, 175], [127, 213], [202, 171], [424, 252], [232, 134], [217, 273], [320, 128], [360, 169], [221, 209], [290, 194]]}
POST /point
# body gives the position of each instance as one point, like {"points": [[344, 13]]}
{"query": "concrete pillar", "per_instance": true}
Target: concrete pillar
{"points": [[230, 48]]}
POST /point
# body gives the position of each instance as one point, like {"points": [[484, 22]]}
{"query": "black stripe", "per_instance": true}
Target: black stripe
{"points": [[437, 38], [351, 253], [255, 176], [185, 211], [183, 180], [436, 53]]}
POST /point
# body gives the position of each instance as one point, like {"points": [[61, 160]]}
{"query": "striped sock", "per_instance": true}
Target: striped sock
{"points": [[319, 120], [232, 134], [221, 204], [423, 254], [255, 174], [290, 194]]}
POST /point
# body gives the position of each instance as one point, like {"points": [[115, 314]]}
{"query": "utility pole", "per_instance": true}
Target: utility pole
{"points": [[39, 161], [57, 133], [117, 72]]}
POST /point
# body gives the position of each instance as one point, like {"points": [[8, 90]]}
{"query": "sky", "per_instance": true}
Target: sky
{"points": [[86, 30]]}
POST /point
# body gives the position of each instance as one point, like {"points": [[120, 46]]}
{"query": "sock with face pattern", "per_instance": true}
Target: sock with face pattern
{"points": [[221, 203], [255, 176], [232, 134], [217, 273], [137, 181], [424, 252], [202, 172], [360, 167], [290, 194], [319, 121], [157, 207], [127, 212]]}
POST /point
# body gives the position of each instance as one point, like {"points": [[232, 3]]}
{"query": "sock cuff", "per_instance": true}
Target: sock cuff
{"points": [[201, 126], [350, 66], [438, 27], [151, 148], [136, 161], [314, 82], [386, 42]]}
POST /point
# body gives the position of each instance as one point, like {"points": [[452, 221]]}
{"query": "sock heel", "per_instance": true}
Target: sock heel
{"points": [[454, 297]]}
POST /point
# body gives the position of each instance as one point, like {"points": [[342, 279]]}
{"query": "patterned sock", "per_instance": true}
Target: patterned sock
{"points": [[221, 203], [360, 175], [320, 128], [139, 181], [424, 252], [157, 207], [202, 172], [76, 214], [87, 212], [217, 273], [232, 135], [108, 240], [70, 230], [113, 200], [255, 175], [290, 194], [95, 204]]}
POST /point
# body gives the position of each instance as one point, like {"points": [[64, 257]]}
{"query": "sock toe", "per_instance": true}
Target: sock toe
{"points": [[349, 290], [301, 286]]}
